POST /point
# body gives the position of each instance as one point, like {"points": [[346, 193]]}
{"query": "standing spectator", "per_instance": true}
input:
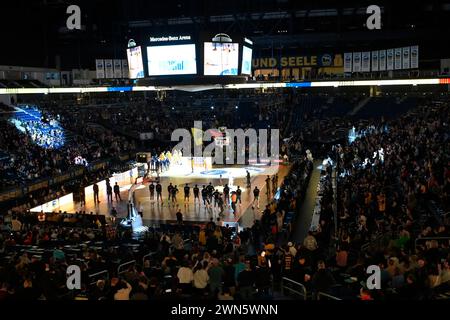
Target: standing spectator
{"points": [[210, 190], [185, 278], [238, 194], [117, 192], [268, 185], [256, 196], [196, 193], [96, 190], [158, 192], [151, 188], [216, 194], [215, 273], [246, 281], [323, 280], [187, 190], [229, 279], [174, 191], [205, 196], [226, 195], [169, 191], [109, 192], [233, 201], [201, 277], [179, 217]]}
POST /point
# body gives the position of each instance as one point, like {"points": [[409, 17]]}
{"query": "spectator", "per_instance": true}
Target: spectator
{"points": [[322, 280]]}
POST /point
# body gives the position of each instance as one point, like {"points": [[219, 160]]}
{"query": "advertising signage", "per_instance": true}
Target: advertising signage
{"points": [[324, 60]]}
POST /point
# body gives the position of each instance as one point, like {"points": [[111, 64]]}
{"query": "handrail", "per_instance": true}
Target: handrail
{"points": [[97, 274], [323, 294], [366, 246], [120, 267], [303, 291], [428, 239], [147, 256]]}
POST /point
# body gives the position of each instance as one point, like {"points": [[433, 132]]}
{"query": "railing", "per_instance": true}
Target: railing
{"points": [[124, 265], [429, 239], [327, 296], [372, 242], [147, 256], [93, 277], [300, 290]]}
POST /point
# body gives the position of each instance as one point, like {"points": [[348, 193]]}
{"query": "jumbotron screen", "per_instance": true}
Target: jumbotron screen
{"points": [[135, 63], [221, 59], [246, 60], [171, 60]]}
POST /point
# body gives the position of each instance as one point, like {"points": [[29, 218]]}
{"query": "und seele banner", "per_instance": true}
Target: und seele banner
{"points": [[324, 60]]}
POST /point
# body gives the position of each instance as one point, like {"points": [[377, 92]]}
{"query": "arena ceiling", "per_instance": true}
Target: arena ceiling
{"points": [[34, 32]]}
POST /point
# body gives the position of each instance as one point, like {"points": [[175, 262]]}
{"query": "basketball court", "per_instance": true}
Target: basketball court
{"points": [[155, 212]]}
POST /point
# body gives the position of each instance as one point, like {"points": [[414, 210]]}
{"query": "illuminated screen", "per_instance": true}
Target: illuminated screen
{"points": [[246, 61], [171, 60], [221, 59], [135, 63]]}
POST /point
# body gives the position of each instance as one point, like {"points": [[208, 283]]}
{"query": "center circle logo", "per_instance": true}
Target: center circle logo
{"points": [[213, 172]]}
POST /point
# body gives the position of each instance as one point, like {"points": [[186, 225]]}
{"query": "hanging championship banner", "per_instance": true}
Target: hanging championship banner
{"points": [[398, 59], [100, 68], [414, 56], [117, 68], [109, 71], [125, 71], [365, 61], [390, 59], [374, 60], [382, 60], [356, 61], [406, 57], [348, 62]]}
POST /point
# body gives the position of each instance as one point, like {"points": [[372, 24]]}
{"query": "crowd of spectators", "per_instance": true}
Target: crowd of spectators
{"points": [[207, 261], [392, 210], [30, 160]]}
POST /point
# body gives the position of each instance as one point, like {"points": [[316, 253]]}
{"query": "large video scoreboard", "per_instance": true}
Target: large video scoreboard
{"points": [[182, 55]]}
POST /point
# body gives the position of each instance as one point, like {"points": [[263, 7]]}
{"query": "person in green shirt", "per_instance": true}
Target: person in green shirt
{"points": [[215, 273]]}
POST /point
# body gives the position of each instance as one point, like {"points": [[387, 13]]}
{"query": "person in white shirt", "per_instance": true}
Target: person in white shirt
{"points": [[292, 250], [185, 277], [201, 277]]}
